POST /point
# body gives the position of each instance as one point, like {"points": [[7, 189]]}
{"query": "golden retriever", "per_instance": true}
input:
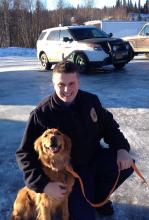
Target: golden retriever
{"points": [[53, 148]]}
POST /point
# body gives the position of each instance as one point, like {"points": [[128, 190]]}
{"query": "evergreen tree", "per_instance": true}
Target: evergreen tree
{"points": [[135, 7], [131, 4], [128, 3], [124, 3], [146, 7], [139, 4], [139, 13], [118, 3]]}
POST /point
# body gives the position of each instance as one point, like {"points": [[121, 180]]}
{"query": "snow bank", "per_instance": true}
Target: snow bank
{"points": [[17, 51]]}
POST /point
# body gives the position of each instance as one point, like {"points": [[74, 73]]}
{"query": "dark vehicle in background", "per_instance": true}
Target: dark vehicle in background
{"points": [[140, 42], [87, 46]]}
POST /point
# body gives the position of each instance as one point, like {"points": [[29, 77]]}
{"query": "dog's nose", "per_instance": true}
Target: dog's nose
{"points": [[53, 140]]}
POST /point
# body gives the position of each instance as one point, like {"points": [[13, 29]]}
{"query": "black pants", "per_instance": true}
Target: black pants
{"points": [[98, 178]]}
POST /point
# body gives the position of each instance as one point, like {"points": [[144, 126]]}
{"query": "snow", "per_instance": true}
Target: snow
{"points": [[14, 55], [17, 51], [124, 93]]}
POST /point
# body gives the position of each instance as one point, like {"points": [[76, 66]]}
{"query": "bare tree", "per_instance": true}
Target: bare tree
{"points": [[4, 24], [60, 11], [21, 21]]}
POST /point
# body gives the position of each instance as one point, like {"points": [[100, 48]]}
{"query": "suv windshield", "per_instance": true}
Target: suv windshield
{"points": [[87, 33], [145, 31]]}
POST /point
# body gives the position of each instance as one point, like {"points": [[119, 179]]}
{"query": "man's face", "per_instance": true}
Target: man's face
{"points": [[66, 86]]}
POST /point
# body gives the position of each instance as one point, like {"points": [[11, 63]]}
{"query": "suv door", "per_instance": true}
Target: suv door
{"points": [[66, 44], [142, 42], [52, 45]]}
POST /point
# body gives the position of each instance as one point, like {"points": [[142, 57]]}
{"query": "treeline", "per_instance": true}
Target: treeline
{"points": [[21, 21]]}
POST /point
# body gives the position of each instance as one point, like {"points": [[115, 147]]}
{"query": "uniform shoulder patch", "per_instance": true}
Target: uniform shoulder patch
{"points": [[93, 115]]}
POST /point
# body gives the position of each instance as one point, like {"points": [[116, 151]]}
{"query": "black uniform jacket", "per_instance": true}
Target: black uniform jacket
{"points": [[85, 121]]}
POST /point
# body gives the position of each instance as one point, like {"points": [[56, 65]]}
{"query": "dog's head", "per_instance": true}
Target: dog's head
{"points": [[53, 144]]}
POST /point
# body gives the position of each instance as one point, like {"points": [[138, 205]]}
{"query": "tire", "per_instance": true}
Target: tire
{"points": [[119, 66], [81, 61], [44, 62], [147, 55]]}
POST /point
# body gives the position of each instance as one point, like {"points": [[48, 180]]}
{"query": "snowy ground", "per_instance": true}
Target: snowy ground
{"points": [[125, 93]]}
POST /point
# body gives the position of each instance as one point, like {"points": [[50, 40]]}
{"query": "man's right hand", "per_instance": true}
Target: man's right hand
{"points": [[55, 190]]}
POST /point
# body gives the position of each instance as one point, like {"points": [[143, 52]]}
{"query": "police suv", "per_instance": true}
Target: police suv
{"points": [[87, 46]]}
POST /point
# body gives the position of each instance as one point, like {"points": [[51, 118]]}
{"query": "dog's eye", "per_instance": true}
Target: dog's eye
{"points": [[45, 135]]}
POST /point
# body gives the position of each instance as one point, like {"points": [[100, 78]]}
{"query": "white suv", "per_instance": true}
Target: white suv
{"points": [[84, 45]]}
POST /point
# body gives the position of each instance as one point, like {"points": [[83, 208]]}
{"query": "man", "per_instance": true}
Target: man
{"points": [[80, 115]]}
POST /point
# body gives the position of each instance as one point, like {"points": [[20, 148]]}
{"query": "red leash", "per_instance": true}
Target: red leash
{"points": [[70, 170]]}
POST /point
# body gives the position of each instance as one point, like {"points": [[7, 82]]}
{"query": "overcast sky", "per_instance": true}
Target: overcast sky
{"points": [[51, 4]]}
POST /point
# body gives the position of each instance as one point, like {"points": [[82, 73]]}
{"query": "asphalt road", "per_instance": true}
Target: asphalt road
{"points": [[125, 93]]}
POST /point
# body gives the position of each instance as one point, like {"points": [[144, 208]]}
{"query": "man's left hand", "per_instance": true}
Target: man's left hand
{"points": [[124, 160]]}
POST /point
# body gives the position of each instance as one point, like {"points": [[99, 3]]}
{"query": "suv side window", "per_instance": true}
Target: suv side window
{"points": [[41, 36], [65, 33], [53, 35]]}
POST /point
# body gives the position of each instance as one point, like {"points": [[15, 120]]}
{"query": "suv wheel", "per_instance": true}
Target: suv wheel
{"points": [[82, 62], [119, 66], [44, 62]]}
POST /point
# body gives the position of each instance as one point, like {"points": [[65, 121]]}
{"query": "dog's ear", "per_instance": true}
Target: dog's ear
{"points": [[67, 142], [38, 145]]}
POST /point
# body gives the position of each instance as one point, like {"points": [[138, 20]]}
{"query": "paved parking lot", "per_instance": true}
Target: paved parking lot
{"points": [[125, 93]]}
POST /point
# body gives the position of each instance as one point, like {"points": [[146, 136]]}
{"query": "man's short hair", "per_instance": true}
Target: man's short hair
{"points": [[65, 67]]}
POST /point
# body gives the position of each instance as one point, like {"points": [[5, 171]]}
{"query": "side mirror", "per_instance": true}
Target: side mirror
{"points": [[110, 35], [66, 39]]}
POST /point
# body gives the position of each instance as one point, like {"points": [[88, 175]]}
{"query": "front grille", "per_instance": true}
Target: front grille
{"points": [[110, 46], [105, 46], [117, 45]]}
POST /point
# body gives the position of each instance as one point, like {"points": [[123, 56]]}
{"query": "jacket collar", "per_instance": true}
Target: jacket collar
{"points": [[59, 105]]}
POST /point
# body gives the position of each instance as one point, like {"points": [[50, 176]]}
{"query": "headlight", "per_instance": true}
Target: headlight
{"points": [[95, 46]]}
